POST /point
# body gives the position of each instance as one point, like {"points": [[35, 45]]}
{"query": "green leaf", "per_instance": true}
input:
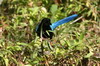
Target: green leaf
{"points": [[6, 61], [57, 50], [13, 59], [89, 55], [15, 48], [31, 22], [81, 36], [28, 65], [34, 11], [53, 8]]}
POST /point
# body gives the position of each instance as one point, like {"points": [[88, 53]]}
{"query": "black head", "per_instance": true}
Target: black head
{"points": [[44, 26]]}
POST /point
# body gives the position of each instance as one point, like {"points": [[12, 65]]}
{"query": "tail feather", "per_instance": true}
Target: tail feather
{"points": [[62, 21]]}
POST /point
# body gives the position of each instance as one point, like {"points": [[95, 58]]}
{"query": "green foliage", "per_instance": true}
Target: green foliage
{"points": [[73, 44]]}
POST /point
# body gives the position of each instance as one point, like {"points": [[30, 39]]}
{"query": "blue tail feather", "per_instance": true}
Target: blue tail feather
{"points": [[62, 21]]}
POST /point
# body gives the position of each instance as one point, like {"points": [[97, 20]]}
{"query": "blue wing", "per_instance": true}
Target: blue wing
{"points": [[62, 21]]}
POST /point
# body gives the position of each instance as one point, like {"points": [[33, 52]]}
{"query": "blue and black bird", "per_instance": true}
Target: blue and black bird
{"points": [[45, 27]]}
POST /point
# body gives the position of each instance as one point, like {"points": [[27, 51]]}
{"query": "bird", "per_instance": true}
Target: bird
{"points": [[42, 28], [45, 27]]}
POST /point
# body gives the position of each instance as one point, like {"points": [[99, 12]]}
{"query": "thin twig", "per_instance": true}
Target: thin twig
{"points": [[76, 20]]}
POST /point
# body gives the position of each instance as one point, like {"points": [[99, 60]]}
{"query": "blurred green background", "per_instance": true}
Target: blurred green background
{"points": [[76, 44]]}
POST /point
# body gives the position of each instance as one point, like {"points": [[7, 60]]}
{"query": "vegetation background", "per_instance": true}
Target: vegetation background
{"points": [[76, 44]]}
